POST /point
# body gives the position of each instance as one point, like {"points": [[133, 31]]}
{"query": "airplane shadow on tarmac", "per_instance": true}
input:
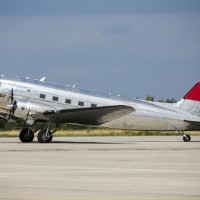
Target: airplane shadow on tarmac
{"points": [[125, 142], [85, 142]]}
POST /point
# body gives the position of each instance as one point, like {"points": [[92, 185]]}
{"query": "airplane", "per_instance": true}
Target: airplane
{"points": [[36, 100]]}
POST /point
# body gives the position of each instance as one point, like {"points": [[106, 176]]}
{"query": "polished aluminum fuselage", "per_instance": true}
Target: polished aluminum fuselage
{"points": [[147, 115]]}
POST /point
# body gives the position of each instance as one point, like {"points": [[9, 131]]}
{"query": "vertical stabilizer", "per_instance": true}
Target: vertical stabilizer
{"points": [[194, 93], [191, 101]]}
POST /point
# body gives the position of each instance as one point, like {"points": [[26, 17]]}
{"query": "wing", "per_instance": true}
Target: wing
{"points": [[89, 116]]}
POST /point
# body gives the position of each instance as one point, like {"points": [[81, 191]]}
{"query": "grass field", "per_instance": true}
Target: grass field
{"points": [[103, 132]]}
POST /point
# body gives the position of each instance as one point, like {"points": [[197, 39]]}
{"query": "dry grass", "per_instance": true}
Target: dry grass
{"points": [[103, 132]]}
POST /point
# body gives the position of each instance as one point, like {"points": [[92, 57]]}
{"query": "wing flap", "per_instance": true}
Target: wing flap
{"points": [[89, 116]]}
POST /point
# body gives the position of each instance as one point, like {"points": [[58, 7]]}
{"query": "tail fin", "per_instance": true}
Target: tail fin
{"points": [[194, 93], [191, 101]]}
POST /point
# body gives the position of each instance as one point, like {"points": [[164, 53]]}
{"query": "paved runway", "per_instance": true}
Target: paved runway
{"points": [[100, 168]]}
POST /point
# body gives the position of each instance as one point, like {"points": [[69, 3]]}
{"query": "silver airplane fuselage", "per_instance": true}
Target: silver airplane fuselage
{"points": [[39, 96]]}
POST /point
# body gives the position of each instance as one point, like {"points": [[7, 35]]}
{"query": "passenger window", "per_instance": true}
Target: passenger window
{"points": [[80, 103], [93, 105], [55, 98], [69, 101], [42, 96]]}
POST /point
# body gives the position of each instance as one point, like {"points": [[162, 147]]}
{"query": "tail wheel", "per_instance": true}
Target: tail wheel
{"points": [[44, 136], [26, 135], [186, 138]]}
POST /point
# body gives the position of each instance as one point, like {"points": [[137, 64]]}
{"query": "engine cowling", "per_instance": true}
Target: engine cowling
{"points": [[21, 109], [29, 110]]}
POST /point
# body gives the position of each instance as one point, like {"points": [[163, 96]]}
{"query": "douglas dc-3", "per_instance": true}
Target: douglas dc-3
{"points": [[39, 101]]}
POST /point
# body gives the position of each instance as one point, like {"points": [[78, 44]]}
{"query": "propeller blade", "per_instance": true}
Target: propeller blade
{"points": [[12, 96]]}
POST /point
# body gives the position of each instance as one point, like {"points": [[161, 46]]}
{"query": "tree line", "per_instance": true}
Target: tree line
{"points": [[4, 125]]}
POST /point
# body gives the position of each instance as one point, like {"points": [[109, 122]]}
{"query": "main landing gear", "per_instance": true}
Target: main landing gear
{"points": [[44, 135], [26, 135], [186, 138]]}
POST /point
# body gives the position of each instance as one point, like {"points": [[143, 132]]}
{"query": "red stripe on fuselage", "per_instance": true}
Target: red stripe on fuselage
{"points": [[194, 93]]}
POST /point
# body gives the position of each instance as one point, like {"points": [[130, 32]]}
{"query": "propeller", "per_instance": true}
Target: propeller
{"points": [[12, 96], [12, 103]]}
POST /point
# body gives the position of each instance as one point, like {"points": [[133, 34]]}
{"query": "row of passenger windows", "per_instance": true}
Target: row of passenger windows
{"points": [[68, 101]]}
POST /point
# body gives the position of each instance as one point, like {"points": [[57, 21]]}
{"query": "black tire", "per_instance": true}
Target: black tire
{"points": [[43, 137], [26, 135], [186, 138]]}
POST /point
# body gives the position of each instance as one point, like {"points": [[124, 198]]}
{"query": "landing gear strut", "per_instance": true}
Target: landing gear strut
{"points": [[186, 138], [26, 135]]}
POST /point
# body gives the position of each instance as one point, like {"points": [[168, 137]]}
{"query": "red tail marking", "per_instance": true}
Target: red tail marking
{"points": [[194, 93]]}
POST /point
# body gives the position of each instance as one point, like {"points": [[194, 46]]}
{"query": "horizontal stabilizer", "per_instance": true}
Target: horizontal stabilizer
{"points": [[89, 116], [193, 122]]}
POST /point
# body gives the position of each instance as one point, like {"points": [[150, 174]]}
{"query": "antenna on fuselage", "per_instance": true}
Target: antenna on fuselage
{"points": [[74, 85], [42, 79]]}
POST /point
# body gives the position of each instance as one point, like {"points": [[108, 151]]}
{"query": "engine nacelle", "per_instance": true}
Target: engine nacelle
{"points": [[21, 109], [29, 110]]}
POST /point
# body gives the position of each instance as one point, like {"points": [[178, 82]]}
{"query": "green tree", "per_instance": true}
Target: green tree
{"points": [[168, 100], [149, 98]]}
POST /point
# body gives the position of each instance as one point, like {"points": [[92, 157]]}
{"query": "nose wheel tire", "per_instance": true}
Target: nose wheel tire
{"points": [[186, 138], [44, 136], [26, 135]]}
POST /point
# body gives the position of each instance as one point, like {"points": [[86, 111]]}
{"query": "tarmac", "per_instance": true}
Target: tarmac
{"points": [[140, 167]]}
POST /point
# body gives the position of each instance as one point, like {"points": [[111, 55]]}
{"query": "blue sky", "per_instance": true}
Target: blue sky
{"points": [[128, 47]]}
